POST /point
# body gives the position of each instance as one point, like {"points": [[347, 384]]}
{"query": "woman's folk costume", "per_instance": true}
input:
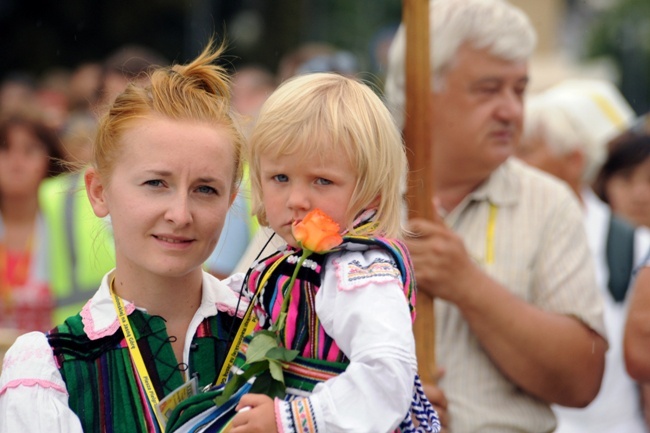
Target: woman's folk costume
{"points": [[81, 376]]}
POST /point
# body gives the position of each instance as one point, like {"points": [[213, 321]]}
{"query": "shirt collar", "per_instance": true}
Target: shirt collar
{"points": [[502, 187], [100, 318]]}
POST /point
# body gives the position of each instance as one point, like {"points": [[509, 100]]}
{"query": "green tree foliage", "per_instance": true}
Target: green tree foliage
{"points": [[623, 34]]}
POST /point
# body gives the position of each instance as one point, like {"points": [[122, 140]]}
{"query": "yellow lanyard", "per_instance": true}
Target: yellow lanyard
{"points": [[489, 236], [136, 356], [247, 327]]}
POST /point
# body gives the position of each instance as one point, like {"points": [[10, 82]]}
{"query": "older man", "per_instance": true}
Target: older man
{"points": [[519, 321]]}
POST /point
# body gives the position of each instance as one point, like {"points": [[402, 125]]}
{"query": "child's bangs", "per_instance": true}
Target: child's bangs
{"points": [[313, 133]]}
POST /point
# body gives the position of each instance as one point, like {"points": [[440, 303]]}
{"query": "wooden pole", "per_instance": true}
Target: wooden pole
{"points": [[417, 136]]}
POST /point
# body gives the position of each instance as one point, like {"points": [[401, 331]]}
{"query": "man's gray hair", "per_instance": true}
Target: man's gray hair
{"points": [[494, 24]]}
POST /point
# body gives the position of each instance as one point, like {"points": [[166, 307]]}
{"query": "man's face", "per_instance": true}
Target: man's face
{"points": [[477, 116]]}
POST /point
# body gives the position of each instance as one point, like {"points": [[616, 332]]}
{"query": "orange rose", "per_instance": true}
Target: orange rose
{"points": [[317, 232]]}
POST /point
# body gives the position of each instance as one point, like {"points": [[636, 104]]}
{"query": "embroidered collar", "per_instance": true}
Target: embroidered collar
{"points": [[100, 319]]}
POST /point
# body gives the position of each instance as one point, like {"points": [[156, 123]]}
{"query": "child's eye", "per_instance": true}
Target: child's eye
{"points": [[323, 181], [281, 178], [205, 189]]}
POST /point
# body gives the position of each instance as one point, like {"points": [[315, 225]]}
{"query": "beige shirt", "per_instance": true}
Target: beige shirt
{"points": [[525, 230]]}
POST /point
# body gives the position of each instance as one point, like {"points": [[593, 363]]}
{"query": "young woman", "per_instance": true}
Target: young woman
{"points": [[166, 168]]}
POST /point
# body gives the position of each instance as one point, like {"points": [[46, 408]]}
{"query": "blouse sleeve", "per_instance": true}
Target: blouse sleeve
{"points": [[33, 396], [362, 306]]}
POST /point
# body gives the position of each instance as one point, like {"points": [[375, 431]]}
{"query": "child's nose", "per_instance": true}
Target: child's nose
{"points": [[298, 198]]}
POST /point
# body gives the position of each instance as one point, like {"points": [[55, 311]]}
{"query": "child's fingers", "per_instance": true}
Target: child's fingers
{"points": [[250, 401], [255, 414]]}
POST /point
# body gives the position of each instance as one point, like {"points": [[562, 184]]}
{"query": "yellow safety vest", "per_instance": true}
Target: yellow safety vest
{"points": [[81, 248]]}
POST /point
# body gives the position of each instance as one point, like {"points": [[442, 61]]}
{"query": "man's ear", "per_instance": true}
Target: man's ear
{"points": [[575, 164], [95, 192]]}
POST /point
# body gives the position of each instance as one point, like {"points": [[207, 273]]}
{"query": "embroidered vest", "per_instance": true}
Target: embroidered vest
{"points": [[303, 331], [103, 386]]}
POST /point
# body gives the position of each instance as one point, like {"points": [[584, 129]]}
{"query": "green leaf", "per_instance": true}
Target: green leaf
{"points": [[259, 346], [275, 367], [282, 354], [238, 380], [266, 332], [234, 383], [265, 384]]}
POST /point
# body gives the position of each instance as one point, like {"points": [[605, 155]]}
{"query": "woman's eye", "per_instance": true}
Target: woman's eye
{"points": [[281, 177], [154, 182], [204, 189]]}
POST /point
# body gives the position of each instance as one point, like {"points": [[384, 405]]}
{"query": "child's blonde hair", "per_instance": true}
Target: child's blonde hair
{"points": [[199, 91], [326, 113]]}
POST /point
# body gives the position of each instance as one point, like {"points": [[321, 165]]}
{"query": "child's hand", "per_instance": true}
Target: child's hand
{"points": [[260, 418]]}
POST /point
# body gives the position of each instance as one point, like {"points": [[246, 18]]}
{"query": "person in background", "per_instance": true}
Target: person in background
{"points": [[317, 57], [519, 320], [52, 97], [166, 165], [637, 334], [624, 179], [126, 64], [17, 94], [83, 88], [29, 152], [637, 330], [251, 87], [566, 131], [80, 244]]}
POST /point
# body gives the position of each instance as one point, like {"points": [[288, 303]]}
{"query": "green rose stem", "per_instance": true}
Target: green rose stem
{"points": [[282, 318], [265, 354]]}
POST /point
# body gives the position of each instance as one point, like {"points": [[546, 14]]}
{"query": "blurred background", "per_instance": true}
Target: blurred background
{"points": [[45, 40]]}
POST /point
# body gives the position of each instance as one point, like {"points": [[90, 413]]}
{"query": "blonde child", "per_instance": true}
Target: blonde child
{"points": [[327, 142]]}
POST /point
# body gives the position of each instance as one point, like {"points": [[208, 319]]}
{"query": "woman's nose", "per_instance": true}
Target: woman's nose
{"points": [[178, 210]]}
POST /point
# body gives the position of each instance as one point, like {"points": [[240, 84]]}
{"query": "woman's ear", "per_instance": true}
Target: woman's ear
{"points": [[233, 196], [95, 192]]}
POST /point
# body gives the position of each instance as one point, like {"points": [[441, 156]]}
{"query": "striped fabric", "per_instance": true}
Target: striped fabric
{"points": [[320, 358], [301, 377], [303, 331], [303, 374], [540, 254], [103, 368]]}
